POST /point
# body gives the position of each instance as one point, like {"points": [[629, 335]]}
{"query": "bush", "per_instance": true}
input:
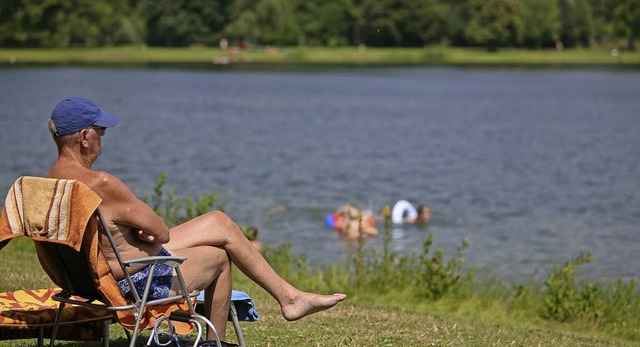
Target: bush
{"points": [[563, 301], [427, 272]]}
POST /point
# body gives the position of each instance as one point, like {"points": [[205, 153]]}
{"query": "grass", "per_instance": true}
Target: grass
{"points": [[352, 56], [356, 322]]}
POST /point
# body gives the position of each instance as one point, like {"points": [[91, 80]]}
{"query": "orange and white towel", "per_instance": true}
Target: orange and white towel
{"points": [[45, 209]]}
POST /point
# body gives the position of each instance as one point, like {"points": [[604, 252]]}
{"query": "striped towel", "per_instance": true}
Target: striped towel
{"points": [[23, 311], [45, 209]]}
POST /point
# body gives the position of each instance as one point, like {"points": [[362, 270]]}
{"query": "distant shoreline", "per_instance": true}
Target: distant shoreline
{"points": [[344, 56]]}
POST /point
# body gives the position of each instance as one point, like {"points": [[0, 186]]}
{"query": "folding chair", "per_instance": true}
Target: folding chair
{"points": [[63, 220]]}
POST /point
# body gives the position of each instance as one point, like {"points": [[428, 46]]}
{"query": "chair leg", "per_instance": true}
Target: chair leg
{"points": [[40, 337], [142, 303], [236, 324], [56, 325], [127, 333], [105, 332]]}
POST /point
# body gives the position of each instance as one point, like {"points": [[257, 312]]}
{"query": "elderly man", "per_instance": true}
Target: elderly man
{"points": [[210, 242]]}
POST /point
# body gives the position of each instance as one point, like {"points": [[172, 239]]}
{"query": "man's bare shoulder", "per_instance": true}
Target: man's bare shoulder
{"points": [[109, 186]]}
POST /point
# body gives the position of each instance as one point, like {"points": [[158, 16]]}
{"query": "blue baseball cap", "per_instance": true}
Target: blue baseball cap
{"points": [[76, 113]]}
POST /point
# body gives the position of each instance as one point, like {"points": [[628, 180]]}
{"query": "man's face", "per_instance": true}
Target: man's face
{"points": [[94, 137]]}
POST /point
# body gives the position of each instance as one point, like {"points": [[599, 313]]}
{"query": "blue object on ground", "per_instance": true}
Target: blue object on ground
{"points": [[244, 305]]}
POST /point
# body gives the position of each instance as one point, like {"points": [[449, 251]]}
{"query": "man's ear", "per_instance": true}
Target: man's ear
{"points": [[83, 134]]}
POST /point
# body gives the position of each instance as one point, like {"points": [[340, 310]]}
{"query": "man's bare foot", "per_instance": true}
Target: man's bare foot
{"points": [[308, 303]]}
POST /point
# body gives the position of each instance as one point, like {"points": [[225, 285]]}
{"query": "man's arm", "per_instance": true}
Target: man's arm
{"points": [[126, 209]]}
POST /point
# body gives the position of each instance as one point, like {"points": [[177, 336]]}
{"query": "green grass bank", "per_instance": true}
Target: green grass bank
{"points": [[355, 322], [350, 56]]}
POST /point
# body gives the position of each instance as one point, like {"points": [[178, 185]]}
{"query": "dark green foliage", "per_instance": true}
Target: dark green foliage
{"points": [[184, 22], [541, 22], [323, 23], [576, 23], [426, 272], [619, 309], [563, 300], [263, 22], [389, 23], [68, 23], [406, 23], [612, 308], [494, 23], [627, 20]]}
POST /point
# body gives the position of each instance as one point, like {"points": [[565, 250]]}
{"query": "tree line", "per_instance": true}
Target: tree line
{"points": [[383, 23]]}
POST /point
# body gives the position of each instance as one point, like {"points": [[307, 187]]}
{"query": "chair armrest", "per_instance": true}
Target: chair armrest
{"points": [[173, 261]]}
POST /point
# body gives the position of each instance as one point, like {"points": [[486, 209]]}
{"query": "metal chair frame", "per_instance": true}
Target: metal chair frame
{"points": [[140, 302]]}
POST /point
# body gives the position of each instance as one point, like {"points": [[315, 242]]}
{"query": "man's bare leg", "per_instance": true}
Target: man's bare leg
{"points": [[217, 229], [217, 300], [208, 268]]}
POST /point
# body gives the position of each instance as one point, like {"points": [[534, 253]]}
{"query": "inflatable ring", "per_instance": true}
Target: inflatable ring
{"points": [[401, 210]]}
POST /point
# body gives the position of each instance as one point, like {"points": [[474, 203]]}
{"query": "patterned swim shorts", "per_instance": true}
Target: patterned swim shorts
{"points": [[160, 284]]}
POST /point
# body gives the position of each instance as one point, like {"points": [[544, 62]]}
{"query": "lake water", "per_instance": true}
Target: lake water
{"points": [[534, 166]]}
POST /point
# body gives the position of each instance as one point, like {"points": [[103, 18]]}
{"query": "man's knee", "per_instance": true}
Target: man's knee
{"points": [[219, 219], [216, 216]]}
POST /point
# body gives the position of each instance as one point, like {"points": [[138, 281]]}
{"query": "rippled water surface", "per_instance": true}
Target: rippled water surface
{"points": [[534, 166]]}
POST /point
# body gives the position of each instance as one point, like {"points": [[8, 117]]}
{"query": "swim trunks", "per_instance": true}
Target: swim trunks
{"points": [[160, 284]]}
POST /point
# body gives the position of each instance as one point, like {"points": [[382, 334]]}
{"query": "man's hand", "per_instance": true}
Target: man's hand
{"points": [[144, 236]]}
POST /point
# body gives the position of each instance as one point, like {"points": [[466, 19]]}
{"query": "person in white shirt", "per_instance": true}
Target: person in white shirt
{"points": [[403, 212]]}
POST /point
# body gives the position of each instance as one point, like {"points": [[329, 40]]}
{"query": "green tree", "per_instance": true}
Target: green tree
{"points": [[441, 15], [494, 23], [577, 22], [401, 22], [626, 15], [243, 22], [541, 23], [333, 23], [25, 23], [308, 23], [277, 21], [583, 22], [265, 22], [185, 22], [455, 12], [602, 20], [421, 22], [50, 23], [323, 22], [378, 25]]}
